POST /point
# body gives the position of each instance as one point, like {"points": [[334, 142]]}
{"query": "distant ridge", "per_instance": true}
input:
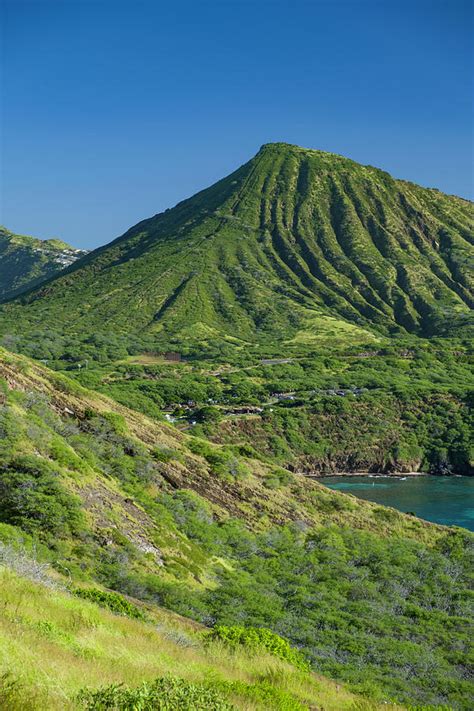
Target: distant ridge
{"points": [[27, 261], [289, 240]]}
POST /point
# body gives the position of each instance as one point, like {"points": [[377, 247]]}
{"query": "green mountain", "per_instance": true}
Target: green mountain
{"points": [[27, 261], [294, 244], [107, 507]]}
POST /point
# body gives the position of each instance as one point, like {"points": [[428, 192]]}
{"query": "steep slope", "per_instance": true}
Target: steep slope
{"points": [[276, 250], [107, 496], [59, 645], [27, 261]]}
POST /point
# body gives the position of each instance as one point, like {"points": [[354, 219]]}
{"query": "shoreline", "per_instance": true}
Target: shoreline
{"points": [[372, 475]]}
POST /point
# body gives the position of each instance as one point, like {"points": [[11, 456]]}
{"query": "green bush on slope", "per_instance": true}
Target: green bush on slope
{"points": [[112, 601], [32, 497], [163, 694], [175, 694], [223, 462], [260, 638]]}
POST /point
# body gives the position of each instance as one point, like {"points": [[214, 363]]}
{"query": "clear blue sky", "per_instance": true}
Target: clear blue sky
{"points": [[113, 111]]}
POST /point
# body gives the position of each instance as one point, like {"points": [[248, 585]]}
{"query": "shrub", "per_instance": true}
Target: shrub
{"points": [[165, 454], [199, 446], [222, 461], [15, 558], [265, 694], [32, 497], [277, 479], [111, 600], [260, 638], [209, 414], [163, 694]]}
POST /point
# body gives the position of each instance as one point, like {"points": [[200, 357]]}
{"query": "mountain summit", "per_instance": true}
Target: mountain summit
{"points": [[290, 241]]}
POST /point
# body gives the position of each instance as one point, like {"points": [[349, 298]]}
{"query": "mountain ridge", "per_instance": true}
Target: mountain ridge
{"points": [[270, 251], [27, 261]]}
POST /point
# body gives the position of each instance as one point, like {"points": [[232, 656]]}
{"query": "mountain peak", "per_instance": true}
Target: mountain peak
{"points": [[282, 148], [280, 145], [288, 246], [288, 148]]}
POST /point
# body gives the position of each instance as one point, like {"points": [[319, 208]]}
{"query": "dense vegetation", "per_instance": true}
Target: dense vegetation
{"points": [[61, 653], [362, 608], [368, 595], [27, 261], [400, 406], [112, 601], [258, 638], [159, 695]]}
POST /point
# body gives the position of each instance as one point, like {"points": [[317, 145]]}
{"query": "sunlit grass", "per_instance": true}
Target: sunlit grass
{"points": [[52, 645]]}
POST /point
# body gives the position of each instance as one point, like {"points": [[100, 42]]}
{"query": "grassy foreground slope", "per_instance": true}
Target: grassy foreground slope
{"points": [[293, 244], [54, 645], [27, 261], [111, 498]]}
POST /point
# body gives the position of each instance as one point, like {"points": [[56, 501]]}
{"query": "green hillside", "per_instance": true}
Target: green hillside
{"points": [[58, 651], [294, 245], [27, 261], [108, 497], [399, 406]]}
